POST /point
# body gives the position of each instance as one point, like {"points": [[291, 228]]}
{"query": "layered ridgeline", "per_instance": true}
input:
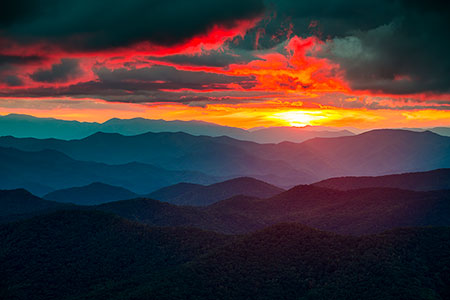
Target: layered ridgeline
{"points": [[378, 152], [20, 125], [350, 212], [201, 195], [28, 126], [106, 257], [44, 171], [356, 212], [180, 193]]}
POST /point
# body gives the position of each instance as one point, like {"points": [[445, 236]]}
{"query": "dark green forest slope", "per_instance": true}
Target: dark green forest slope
{"points": [[94, 255]]}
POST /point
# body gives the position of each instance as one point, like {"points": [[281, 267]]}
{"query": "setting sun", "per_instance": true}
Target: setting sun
{"points": [[300, 118]]}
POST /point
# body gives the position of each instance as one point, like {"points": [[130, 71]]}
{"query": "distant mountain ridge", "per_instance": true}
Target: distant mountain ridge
{"points": [[293, 134], [373, 153], [20, 125], [46, 170], [29, 126]]}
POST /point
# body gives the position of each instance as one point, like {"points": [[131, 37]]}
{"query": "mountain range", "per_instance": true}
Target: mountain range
{"points": [[356, 212], [123, 210], [44, 171], [373, 153], [29, 126], [180, 194]]}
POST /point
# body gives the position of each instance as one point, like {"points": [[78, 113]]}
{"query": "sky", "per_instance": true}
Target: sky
{"points": [[246, 63]]}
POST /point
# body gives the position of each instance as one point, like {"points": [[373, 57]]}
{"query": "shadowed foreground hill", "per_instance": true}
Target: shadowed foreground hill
{"points": [[92, 194], [291, 261], [200, 195], [71, 253], [419, 181], [92, 255]]}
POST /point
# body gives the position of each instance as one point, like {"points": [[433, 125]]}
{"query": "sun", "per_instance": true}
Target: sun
{"points": [[299, 118]]}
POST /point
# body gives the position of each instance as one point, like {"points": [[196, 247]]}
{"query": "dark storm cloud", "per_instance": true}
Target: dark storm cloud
{"points": [[10, 64], [388, 46], [18, 60], [143, 85], [91, 25], [12, 80], [60, 72], [398, 47], [164, 77], [126, 92], [337, 17], [209, 59]]}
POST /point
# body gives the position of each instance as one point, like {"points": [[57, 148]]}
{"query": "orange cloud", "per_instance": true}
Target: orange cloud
{"points": [[298, 71]]}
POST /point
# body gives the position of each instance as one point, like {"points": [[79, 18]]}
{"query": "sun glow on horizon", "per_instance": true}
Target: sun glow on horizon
{"points": [[300, 118], [243, 115]]}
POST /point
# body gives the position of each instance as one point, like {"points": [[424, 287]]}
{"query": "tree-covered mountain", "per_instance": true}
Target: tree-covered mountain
{"points": [[290, 261], [91, 194], [157, 213], [354, 212], [200, 195], [75, 253], [93, 255], [417, 181]]}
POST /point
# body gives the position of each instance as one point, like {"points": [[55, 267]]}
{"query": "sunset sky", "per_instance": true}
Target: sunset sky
{"points": [[247, 63]]}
